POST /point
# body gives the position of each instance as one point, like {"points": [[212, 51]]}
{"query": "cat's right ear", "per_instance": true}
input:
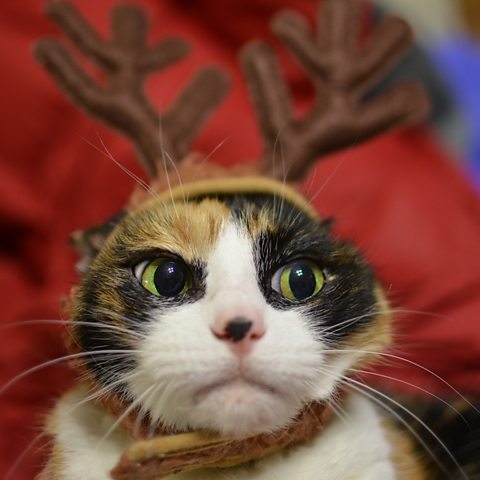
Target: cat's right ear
{"points": [[327, 223], [88, 242]]}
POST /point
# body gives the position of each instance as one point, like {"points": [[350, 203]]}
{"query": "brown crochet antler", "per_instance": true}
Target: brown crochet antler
{"points": [[341, 74], [127, 60]]}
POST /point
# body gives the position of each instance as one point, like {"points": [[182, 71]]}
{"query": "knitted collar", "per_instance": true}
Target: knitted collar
{"points": [[168, 454]]}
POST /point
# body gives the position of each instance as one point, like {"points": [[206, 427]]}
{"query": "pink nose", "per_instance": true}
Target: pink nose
{"points": [[239, 331]]}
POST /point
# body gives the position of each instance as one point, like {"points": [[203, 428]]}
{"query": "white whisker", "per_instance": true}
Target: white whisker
{"points": [[416, 418], [55, 361], [20, 458], [417, 387], [125, 414], [410, 362], [71, 323]]}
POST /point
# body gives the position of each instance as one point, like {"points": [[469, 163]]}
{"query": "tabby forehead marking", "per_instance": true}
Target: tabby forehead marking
{"points": [[186, 228]]}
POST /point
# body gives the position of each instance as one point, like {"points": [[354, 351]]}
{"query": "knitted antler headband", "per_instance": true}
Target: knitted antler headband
{"points": [[341, 73]]}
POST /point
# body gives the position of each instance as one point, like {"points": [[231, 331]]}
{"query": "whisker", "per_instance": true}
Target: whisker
{"points": [[399, 418], [206, 159], [98, 393], [346, 323], [166, 155], [416, 418], [346, 151], [410, 362], [276, 144], [417, 387], [358, 386], [401, 310], [142, 183], [173, 163], [107, 154], [64, 358], [95, 324], [340, 413], [125, 414], [22, 456]]}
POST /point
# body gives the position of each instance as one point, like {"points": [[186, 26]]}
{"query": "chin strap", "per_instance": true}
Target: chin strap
{"points": [[166, 455]]}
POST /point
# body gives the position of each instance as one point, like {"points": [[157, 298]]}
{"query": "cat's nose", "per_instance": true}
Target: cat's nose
{"points": [[239, 329]]}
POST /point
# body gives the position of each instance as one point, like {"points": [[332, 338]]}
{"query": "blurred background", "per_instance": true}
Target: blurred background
{"points": [[408, 199], [448, 31]]}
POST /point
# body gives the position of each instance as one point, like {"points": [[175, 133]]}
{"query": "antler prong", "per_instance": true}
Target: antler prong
{"points": [[193, 106], [400, 104], [388, 43], [61, 65], [162, 54], [291, 27], [338, 25], [80, 32], [129, 28], [268, 91]]}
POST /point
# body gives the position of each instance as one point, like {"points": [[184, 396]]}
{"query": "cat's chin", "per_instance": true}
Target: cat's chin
{"points": [[241, 408]]}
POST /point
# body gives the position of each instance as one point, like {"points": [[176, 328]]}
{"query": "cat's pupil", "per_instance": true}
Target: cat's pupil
{"points": [[302, 280], [169, 278]]}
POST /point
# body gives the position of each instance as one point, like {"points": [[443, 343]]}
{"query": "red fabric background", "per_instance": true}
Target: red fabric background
{"points": [[410, 212]]}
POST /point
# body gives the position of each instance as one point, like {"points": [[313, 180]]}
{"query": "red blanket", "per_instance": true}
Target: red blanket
{"points": [[398, 198]]}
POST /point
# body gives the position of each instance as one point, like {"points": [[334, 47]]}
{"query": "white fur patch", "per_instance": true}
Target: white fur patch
{"points": [[79, 428]]}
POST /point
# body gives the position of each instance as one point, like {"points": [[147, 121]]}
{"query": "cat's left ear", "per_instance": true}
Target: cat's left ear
{"points": [[327, 223], [89, 242]]}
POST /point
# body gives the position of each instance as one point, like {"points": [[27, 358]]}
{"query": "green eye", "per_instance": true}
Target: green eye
{"points": [[163, 277], [298, 280]]}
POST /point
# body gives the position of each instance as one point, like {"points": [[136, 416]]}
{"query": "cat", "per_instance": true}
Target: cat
{"points": [[229, 312]]}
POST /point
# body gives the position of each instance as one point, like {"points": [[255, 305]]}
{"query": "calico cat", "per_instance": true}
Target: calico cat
{"points": [[229, 312], [223, 311]]}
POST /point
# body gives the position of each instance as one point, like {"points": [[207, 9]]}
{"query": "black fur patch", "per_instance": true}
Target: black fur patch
{"points": [[457, 427]]}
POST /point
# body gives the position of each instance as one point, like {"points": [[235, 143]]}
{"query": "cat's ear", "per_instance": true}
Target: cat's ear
{"points": [[89, 242], [327, 223]]}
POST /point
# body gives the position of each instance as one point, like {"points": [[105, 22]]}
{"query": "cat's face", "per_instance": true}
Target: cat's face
{"points": [[232, 312]]}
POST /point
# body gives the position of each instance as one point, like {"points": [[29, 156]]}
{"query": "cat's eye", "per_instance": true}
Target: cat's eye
{"points": [[164, 277], [298, 280]]}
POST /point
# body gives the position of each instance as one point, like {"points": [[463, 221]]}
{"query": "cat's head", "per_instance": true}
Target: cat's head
{"points": [[227, 309]]}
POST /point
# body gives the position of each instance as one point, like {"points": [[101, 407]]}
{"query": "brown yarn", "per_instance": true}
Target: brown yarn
{"points": [[127, 61], [341, 74], [154, 459]]}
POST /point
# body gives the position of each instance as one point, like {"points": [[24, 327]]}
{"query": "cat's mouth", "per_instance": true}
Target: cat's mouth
{"points": [[240, 386], [241, 406]]}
